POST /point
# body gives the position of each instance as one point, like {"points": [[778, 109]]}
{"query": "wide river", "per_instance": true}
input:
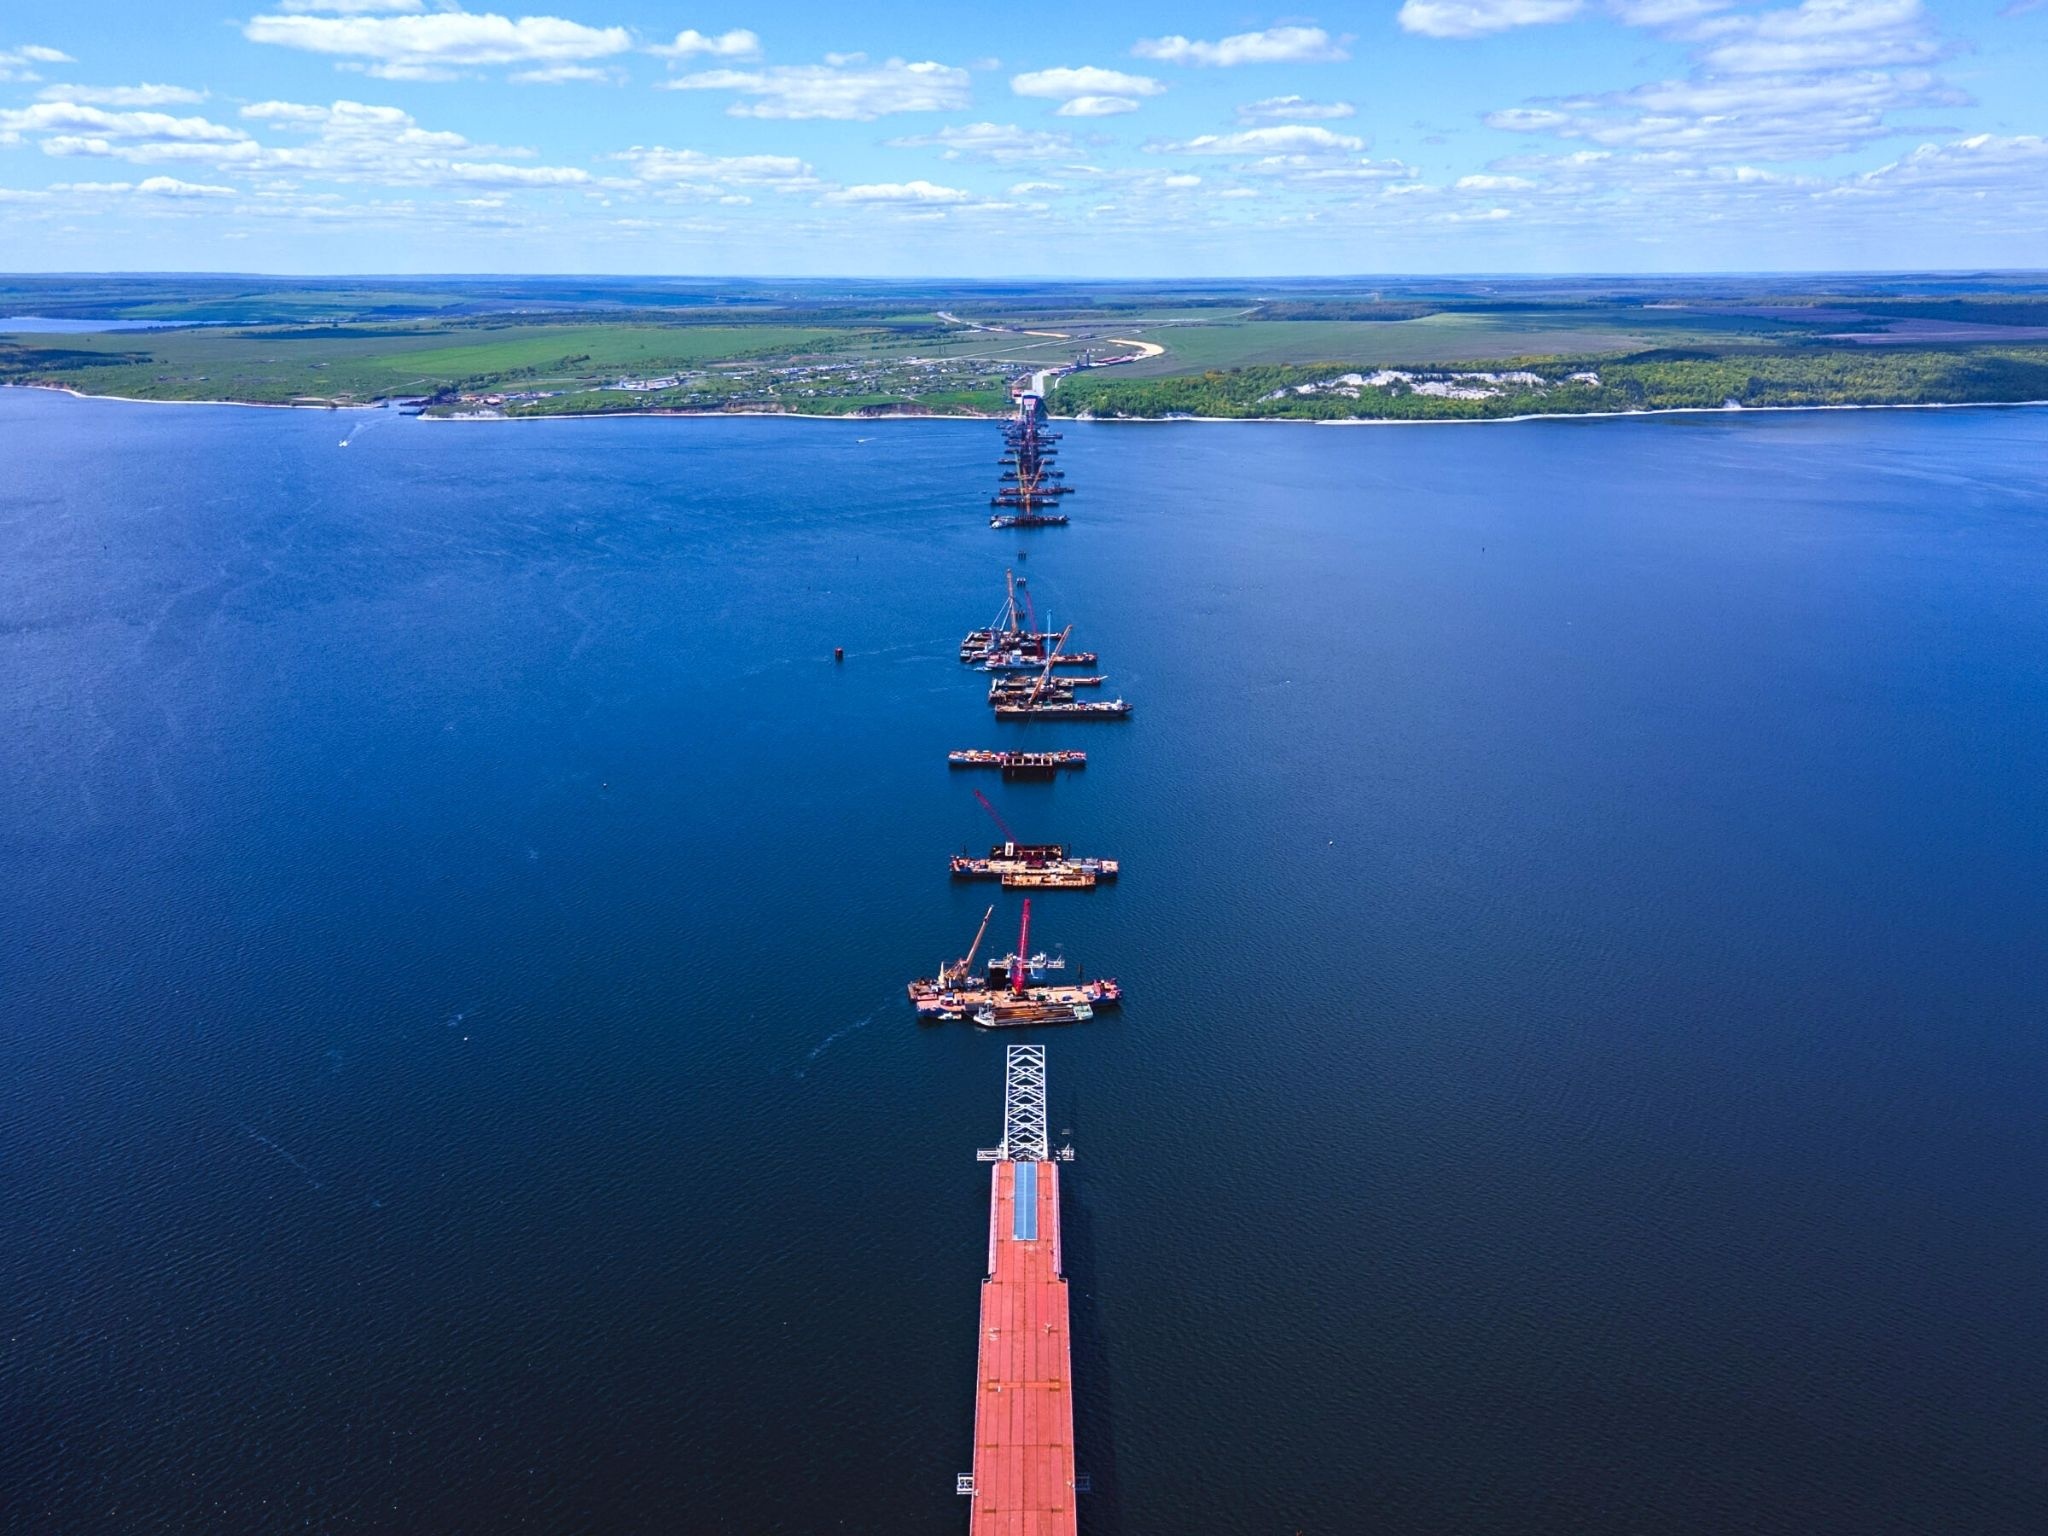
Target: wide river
{"points": [[1583, 920]]}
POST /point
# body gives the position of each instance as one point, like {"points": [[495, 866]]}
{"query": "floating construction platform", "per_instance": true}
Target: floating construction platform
{"points": [[1014, 642], [1024, 1481], [1009, 687], [1029, 867], [1066, 709], [1012, 982], [1028, 490], [1018, 765], [1022, 661]]}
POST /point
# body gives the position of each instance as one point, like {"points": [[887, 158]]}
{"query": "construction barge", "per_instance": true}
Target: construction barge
{"points": [[1014, 642], [1017, 765], [1050, 696], [1031, 866], [1003, 688], [1010, 992], [1019, 661], [1035, 866], [1029, 488], [1066, 709], [1024, 1481]]}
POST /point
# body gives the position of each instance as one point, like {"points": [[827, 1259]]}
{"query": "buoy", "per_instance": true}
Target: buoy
{"points": [[839, 653]]}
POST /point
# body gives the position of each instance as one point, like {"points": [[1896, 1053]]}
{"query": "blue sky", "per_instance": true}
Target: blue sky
{"points": [[888, 139]]}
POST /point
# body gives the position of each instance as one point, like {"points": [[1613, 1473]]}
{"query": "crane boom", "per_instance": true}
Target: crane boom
{"points": [[1017, 962], [974, 949], [1009, 837], [1051, 659]]}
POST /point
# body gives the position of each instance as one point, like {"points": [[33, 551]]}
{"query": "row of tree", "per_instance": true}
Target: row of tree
{"points": [[1647, 381]]}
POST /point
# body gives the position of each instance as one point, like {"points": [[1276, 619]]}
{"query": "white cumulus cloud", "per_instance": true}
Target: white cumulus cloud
{"points": [[1069, 83], [998, 143], [150, 186], [690, 43], [1294, 109], [18, 64], [901, 193], [845, 87], [1821, 34], [351, 7], [1476, 18], [1281, 139], [1664, 13], [123, 95], [438, 46], [562, 74], [695, 170], [1982, 161], [351, 141], [1275, 45], [1751, 117], [170, 186], [1096, 106], [71, 128]]}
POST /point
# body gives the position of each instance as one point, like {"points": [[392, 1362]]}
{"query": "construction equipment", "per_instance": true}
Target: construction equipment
{"points": [[963, 968]]}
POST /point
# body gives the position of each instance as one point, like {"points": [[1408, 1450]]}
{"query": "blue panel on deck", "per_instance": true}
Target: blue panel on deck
{"points": [[1024, 1203]]}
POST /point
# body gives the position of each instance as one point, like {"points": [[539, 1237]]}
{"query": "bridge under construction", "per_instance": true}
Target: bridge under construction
{"points": [[1023, 1482]]}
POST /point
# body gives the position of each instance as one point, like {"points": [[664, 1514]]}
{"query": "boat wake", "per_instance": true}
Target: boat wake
{"points": [[838, 1034], [264, 1141], [363, 426]]}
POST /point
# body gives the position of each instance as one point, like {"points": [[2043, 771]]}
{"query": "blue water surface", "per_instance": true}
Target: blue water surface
{"points": [[1582, 920], [23, 325]]}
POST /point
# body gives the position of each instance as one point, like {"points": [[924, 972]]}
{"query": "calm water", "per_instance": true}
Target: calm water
{"points": [[22, 325], [1583, 917]]}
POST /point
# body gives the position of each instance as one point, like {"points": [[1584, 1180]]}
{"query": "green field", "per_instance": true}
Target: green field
{"points": [[1443, 337], [557, 346], [355, 363]]}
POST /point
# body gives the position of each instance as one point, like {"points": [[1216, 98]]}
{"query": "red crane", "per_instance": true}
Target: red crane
{"points": [[1009, 837], [1017, 964]]}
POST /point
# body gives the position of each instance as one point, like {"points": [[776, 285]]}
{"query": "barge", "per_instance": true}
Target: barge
{"points": [[959, 991], [1018, 765], [1020, 661], [1005, 689], [1035, 866], [1066, 709]]}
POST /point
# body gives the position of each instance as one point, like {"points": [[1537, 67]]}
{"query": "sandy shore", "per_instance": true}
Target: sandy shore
{"points": [[246, 405]]}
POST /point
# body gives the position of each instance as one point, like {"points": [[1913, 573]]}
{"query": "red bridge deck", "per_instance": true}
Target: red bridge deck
{"points": [[1024, 1415]]}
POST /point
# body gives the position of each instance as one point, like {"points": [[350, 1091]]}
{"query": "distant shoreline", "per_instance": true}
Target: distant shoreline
{"points": [[246, 405], [1107, 421]]}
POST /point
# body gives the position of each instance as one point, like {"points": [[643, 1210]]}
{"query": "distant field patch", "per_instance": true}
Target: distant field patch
{"points": [[1446, 337], [1435, 338], [365, 363]]}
